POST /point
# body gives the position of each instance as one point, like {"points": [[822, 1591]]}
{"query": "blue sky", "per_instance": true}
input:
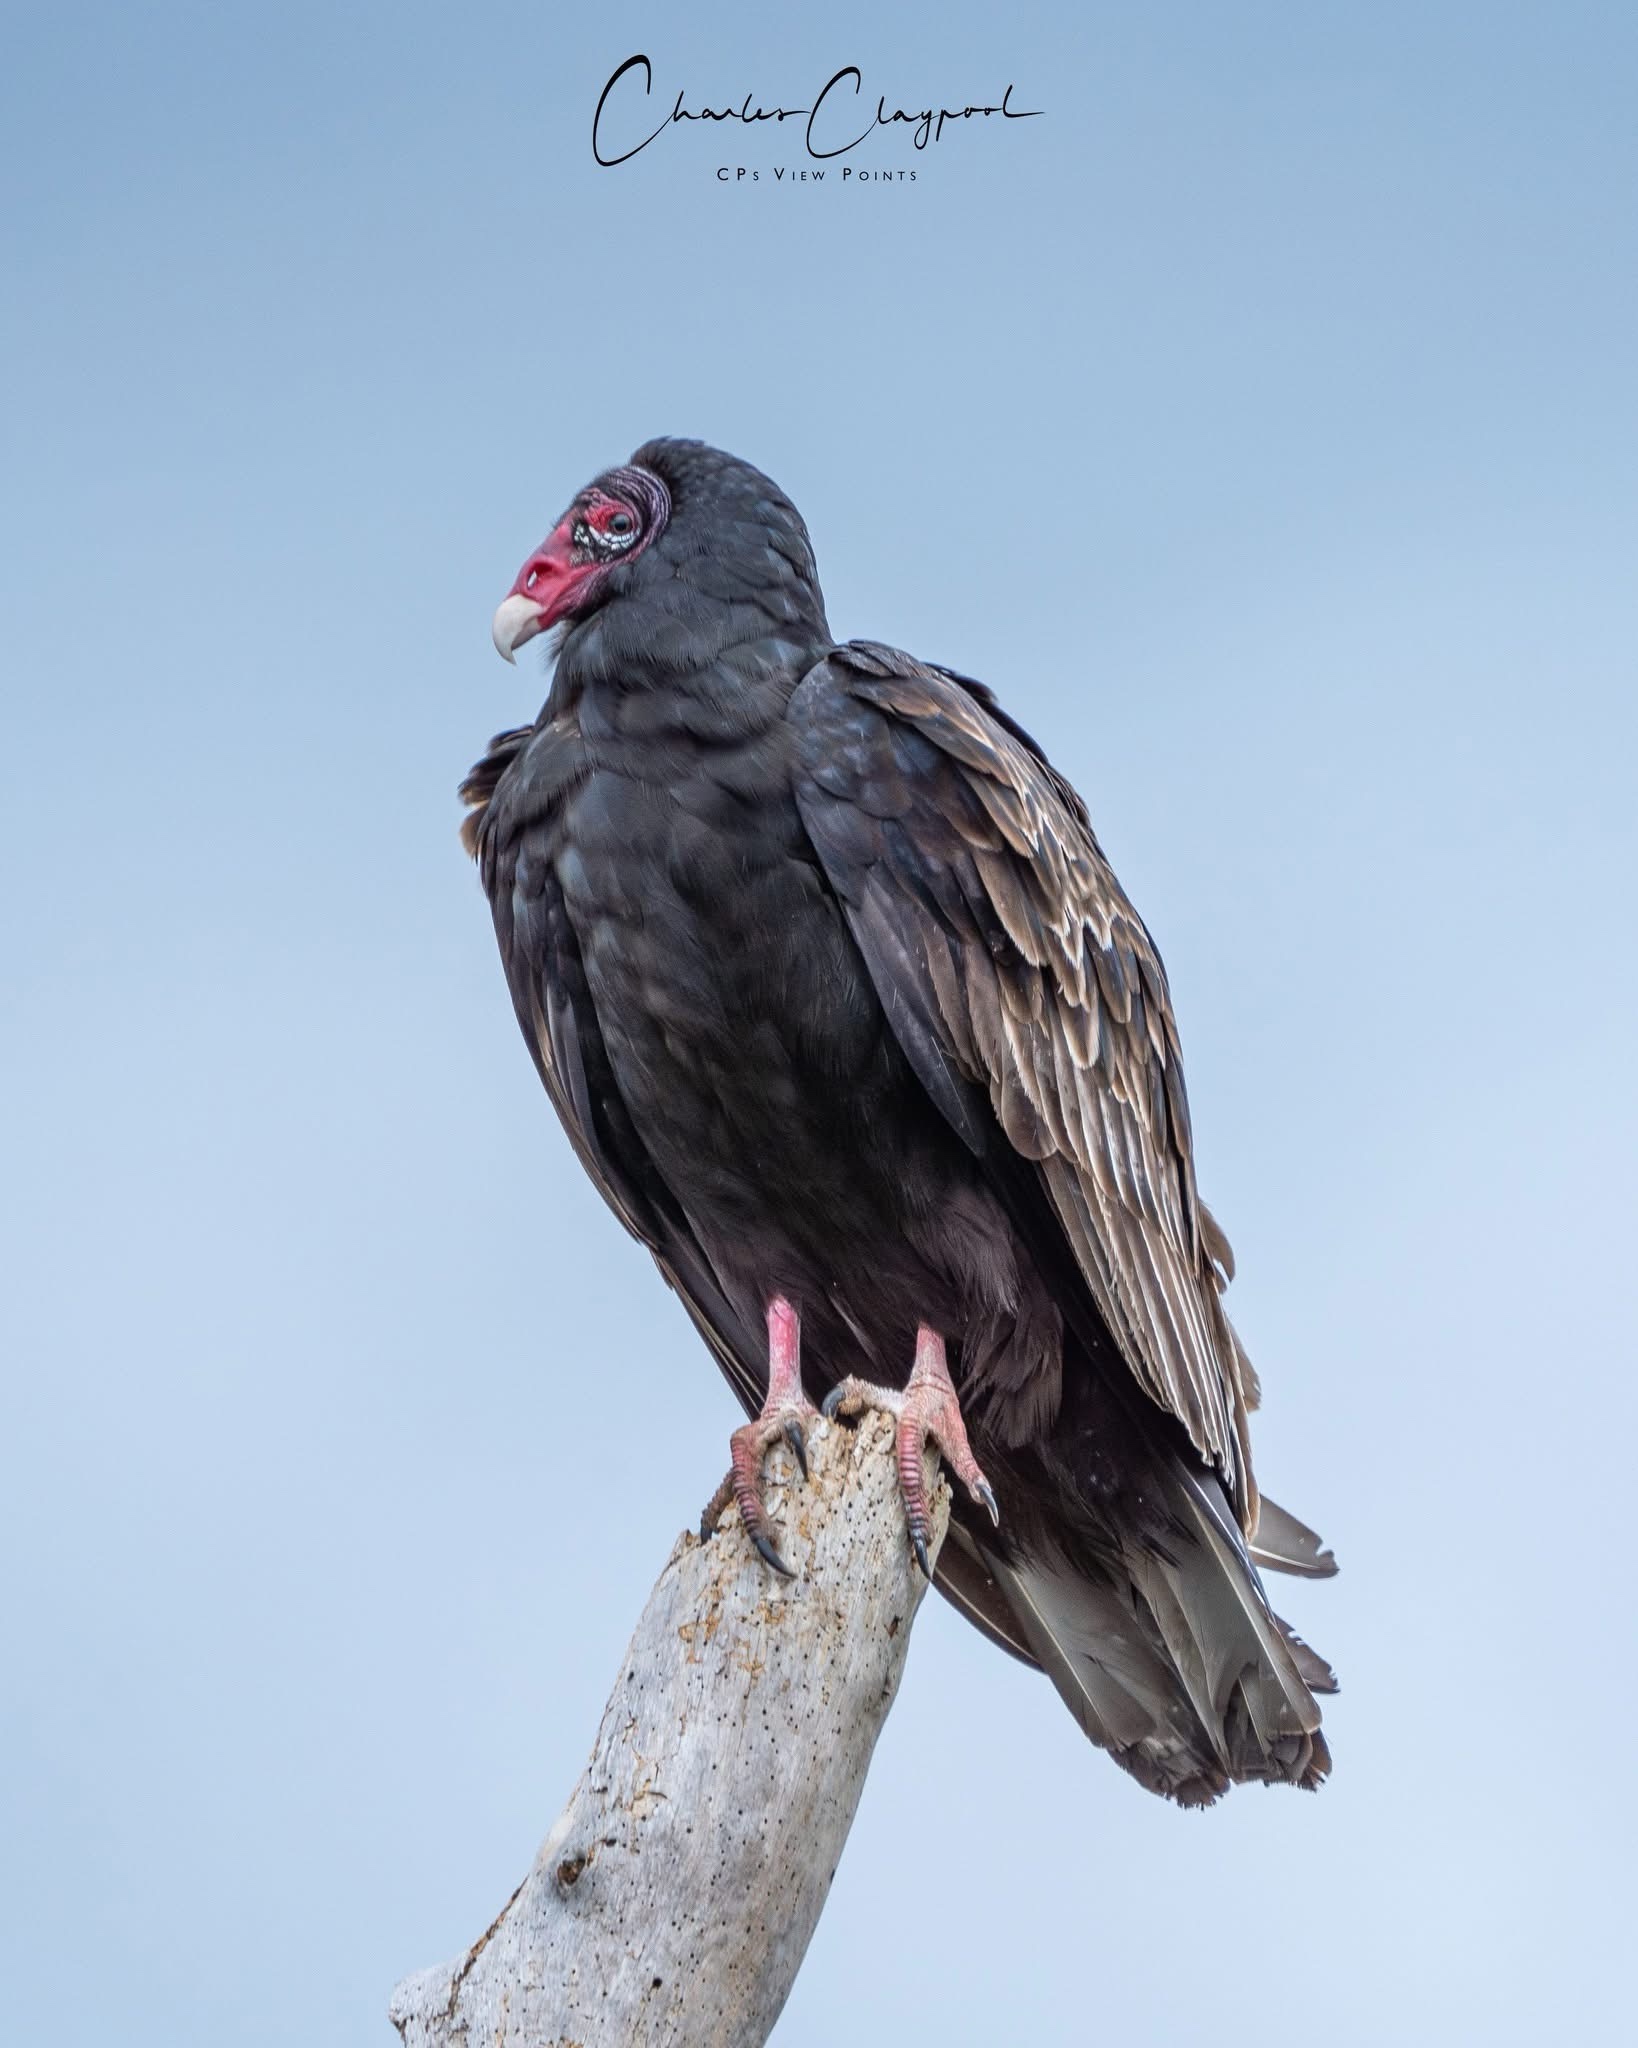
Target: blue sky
{"points": [[1261, 423]]}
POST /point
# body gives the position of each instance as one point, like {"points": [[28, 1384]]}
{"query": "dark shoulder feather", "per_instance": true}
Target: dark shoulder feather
{"points": [[480, 785]]}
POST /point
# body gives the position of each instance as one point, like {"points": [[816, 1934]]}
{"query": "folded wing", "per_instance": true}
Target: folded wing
{"points": [[1022, 982]]}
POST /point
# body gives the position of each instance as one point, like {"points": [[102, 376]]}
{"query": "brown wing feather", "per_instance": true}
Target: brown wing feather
{"points": [[979, 893]]}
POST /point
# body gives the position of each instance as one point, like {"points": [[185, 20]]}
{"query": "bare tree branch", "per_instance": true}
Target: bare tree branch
{"points": [[676, 1896]]}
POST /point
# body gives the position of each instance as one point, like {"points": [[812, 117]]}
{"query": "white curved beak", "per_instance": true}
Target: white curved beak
{"points": [[519, 618]]}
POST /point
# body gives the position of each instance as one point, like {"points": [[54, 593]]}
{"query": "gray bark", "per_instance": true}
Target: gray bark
{"points": [[676, 1896]]}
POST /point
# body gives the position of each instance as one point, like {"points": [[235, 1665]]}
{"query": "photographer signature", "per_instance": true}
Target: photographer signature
{"points": [[827, 119]]}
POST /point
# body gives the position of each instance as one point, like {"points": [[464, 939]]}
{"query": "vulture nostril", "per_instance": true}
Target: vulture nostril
{"points": [[532, 579]]}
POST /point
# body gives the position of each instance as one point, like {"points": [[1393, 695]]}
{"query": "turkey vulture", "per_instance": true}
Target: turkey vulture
{"points": [[848, 1018]]}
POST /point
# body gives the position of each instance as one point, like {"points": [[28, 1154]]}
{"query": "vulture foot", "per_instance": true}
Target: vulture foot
{"points": [[926, 1412], [785, 1415]]}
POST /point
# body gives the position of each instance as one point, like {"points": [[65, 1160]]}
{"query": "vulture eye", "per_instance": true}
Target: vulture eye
{"points": [[613, 527]]}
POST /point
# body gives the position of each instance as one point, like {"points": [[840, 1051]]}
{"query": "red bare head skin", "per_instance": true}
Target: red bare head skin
{"points": [[611, 522]]}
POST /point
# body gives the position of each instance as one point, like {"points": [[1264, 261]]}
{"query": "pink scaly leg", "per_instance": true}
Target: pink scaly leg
{"points": [[784, 1413], [927, 1411]]}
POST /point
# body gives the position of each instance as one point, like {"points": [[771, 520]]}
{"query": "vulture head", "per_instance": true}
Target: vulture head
{"points": [[679, 538], [609, 526]]}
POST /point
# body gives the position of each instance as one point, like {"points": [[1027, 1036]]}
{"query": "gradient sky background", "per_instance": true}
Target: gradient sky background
{"points": [[1262, 423]]}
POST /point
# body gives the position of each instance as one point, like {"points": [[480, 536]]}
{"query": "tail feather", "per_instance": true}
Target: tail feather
{"points": [[1229, 1605], [1120, 1687], [1175, 1663], [1316, 1674]]}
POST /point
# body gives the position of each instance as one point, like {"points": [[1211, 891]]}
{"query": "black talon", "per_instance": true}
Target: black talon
{"points": [[829, 1405], [799, 1444], [918, 1543], [770, 1556], [985, 1497]]}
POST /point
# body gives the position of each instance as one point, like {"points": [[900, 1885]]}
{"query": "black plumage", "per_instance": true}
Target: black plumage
{"points": [[839, 1001]]}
